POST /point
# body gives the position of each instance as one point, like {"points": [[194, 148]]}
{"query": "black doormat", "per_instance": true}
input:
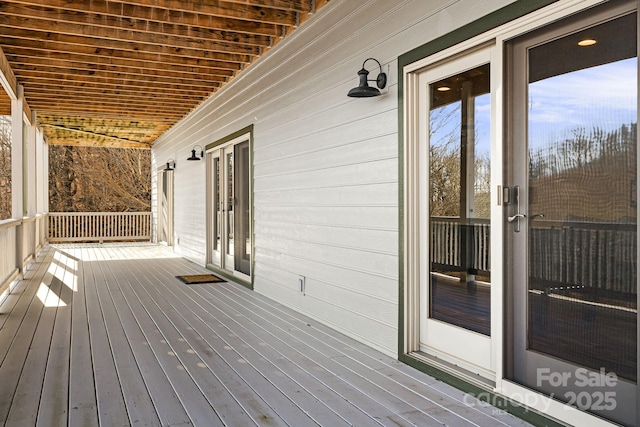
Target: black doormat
{"points": [[200, 278]]}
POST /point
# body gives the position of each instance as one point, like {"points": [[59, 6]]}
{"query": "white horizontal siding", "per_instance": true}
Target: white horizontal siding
{"points": [[189, 207], [306, 154], [377, 218], [383, 194], [362, 239], [325, 165], [337, 307]]}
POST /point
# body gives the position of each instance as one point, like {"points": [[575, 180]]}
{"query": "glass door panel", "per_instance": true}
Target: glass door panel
{"points": [[229, 205], [216, 209], [455, 279], [242, 231], [459, 196], [572, 220]]}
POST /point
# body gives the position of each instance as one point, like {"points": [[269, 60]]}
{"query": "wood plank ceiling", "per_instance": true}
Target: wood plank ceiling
{"points": [[120, 73]]}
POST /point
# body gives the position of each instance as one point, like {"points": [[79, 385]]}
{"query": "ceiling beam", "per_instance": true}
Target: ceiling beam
{"points": [[98, 135], [210, 27], [305, 6], [120, 74], [41, 92], [114, 113], [124, 89], [7, 78], [43, 87], [42, 57], [124, 133], [162, 109], [87, 141], [150, 104], [67, 43], [117, 38], [213, 61], [30, 76], [112, 110], [140, 127], [184, 13]]}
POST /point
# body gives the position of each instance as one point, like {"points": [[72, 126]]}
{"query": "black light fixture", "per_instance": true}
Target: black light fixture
{"points": [[193, 153], [364, 90], [171, 165]]}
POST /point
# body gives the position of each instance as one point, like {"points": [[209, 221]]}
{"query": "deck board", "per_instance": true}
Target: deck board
{"points": [[249, 385], [323, 362], [109, 396], [196, 406], [309, 390], [168, 406], [17, 336], [26, 398], [53, 408], [82, 404], [140, 408], [288, 397], [121, 341]]}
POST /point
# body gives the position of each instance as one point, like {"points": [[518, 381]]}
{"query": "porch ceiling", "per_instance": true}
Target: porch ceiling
{"points": [[120, 73]]}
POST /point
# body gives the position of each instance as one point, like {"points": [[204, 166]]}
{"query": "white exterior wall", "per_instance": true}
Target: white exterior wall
{"points": [[325, 166]]}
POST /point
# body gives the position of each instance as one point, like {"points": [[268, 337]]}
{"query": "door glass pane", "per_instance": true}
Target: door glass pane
{"points": [[217, 220], [582, 147], [164, 209], [242, 235], [229, 202], [459, 195]]}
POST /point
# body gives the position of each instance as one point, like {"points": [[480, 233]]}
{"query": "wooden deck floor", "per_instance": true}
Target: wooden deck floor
{"points": [[106, 335]]}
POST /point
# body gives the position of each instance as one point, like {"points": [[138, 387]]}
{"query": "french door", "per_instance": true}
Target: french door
{"points": [[165, 206], [571, 210], [229, 231], [454, 211]]}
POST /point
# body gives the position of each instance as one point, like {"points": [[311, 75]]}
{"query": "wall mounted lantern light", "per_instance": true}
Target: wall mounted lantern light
{"points": [[193, 153], [171, 165], [364, 90]]}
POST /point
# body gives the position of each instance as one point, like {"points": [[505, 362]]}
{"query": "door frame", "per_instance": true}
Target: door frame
{"points": [[466, 349], [411, 224], [163, 173], [243, 135], [518, 357], [497, 28]]}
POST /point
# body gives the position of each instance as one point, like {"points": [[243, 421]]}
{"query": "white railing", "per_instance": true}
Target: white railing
{"points": [[99, 226], [29, 239], [560, 253], [20, 241], [583, 255], [42, 233], [461, 245], [9, 266]]}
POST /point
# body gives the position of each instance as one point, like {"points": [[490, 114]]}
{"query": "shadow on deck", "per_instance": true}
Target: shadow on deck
{"points": [[106, 335]]}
